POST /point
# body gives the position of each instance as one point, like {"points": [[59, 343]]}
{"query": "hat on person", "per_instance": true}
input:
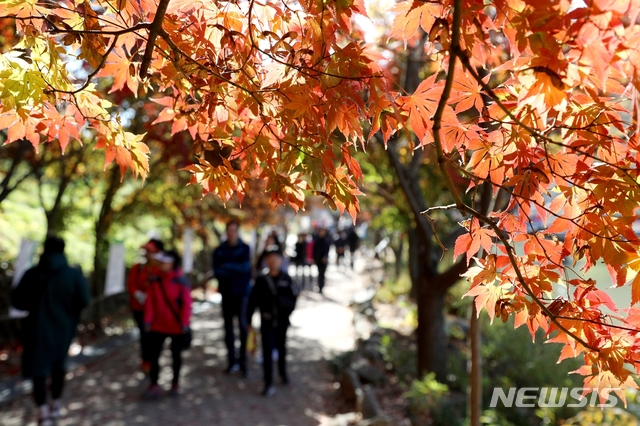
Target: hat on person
{"points": [[272, 249], [154, 246], [163, 257]]}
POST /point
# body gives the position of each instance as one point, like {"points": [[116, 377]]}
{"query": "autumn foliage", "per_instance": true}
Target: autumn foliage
{"points": [[537, 98]]}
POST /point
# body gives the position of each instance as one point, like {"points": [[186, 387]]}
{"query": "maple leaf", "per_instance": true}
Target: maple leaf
{"points": [[485, 272], [466, 92], [93, 45], [276, 73], [594, 52], [421, 106], [471, 242], [122, 69], [606, 382], [413, 15], [486, 296], [547, 91]]}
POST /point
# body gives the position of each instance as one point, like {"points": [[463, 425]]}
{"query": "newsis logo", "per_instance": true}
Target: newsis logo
{"points": [[554, 397]]}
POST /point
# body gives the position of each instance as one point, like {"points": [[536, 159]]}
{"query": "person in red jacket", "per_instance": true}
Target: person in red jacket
{"points": [[167, 313], [137, 284]]}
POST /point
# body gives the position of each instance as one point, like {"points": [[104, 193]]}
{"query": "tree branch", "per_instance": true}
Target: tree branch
{"points": [[455, 52], [6, 185], [154, 30]]}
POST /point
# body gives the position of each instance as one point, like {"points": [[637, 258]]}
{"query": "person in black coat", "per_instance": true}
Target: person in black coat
{"points": [[232, 268], [354, 242], [341, 244], [54, 294], [275, 294], [321, 247], [300, 260]]}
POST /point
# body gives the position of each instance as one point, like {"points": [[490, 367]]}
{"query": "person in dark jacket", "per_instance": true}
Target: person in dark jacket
{"points": [[321, 247], [54, 294], [341, 244], [354, 242], [167, 313], [269, 241], [275, 294], [137, 285], [300, 260], [232, 268]]}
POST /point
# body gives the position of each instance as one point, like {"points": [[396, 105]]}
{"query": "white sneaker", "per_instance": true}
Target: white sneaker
{"points": [[267, 392], [56, 409], [44, 416], [233, 369]]}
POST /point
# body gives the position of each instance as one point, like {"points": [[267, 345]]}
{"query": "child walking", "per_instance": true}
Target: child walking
{"points": [[275, 294]]}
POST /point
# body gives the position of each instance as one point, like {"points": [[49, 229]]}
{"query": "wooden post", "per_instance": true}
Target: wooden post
{"points": [[475, 368]]}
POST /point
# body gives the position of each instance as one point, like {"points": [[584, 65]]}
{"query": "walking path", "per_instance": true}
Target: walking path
{"points": [[108, 392]]}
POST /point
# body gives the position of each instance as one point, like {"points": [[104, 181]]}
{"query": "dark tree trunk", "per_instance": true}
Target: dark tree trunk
{"points": [[431, 336], [58, 211], [101, 229], [398, 253], [18, 153], [429, 297], [55, 216], [102, 245], [414, 262]]}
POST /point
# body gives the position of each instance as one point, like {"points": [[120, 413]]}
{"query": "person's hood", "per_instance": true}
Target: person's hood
{"points": [[53, 261]]}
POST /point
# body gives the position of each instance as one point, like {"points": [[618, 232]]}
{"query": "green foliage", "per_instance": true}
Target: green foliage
{"points": [[595, 416], [493, 418], [426, 395], [455, 303], [399, 354], [341, 362], [430, 402], [458, 376], [394, 290], [512, 360]]}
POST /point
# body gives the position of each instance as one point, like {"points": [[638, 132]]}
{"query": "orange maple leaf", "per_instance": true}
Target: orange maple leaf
{"points": [[421, 106]]}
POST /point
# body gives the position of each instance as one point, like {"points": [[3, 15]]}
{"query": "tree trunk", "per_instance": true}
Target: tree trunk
{"points": [[102, 245], [55, 220], [55, 215], [429, 297], [18, 153], [432, 339], [414, 263], [399, 253]]}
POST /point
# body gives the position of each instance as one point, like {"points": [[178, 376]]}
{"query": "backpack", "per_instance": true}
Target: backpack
{"points": [[285, 300]]}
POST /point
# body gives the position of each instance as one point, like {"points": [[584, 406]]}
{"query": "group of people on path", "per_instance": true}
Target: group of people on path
{"points": [[315, 250], [161, 305], [54, 294], [274, 294]]}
